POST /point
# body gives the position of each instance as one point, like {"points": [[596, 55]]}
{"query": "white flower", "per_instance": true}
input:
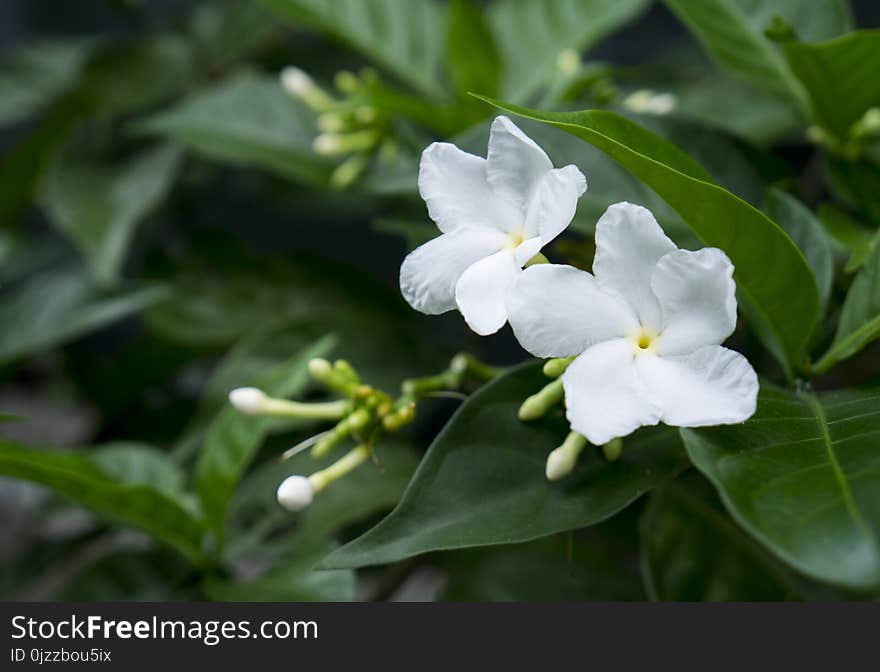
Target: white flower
{"points": [[494, 214], [647, 328]]}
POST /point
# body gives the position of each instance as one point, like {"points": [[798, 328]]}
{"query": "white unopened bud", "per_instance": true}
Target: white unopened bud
{"points": [[297, 83], [327, 144], [248, 400], [560, 463], [295, 493], [562, 460], [568, 62]]}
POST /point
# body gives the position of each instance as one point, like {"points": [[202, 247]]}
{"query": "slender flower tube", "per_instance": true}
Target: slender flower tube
{"points": [[494, 214], [646, 329]]}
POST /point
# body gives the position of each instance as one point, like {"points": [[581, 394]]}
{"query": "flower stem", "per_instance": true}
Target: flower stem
{"points": [[284, 408], [342, 466]]}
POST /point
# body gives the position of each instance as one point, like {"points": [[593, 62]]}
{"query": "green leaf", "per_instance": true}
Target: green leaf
{"points": [[474, 62], [141, 464], [247, 120], [234, 438], [693, 552], [803, 477], [732, 31], [482, 480], [784, 304], [860, 318], [594, 564], [57, 306], [404, 38], [848, 235], [807, 233], [81, 479], [98, 206], [840, 77], [292, 579], [34, 75], [531, 35]]}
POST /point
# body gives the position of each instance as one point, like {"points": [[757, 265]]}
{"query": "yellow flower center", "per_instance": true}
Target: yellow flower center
{"points": [[514, 239], [644, 340]]}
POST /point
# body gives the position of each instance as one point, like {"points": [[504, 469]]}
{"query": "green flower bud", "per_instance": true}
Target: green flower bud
{"points": [[540, 403]]}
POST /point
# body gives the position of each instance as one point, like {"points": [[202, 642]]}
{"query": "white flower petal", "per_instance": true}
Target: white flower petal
{"points": [[527, 249], [514, 164], [560, 311], [697, 298], [453, 185], [482, 289], [710, 386], [429, 273], [604, 398], [554, 201], [629, 243]]}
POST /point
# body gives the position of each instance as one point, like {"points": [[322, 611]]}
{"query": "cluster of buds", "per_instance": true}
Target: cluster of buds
{"points": [[362, 416], [350, 124], [563, 459]]}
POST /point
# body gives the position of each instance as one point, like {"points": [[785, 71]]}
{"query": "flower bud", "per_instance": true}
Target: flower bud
{"points": [[562, 460], [298, 84], [540, 403], [295, 493], [249, 400], [320, 369], [553, 368]]}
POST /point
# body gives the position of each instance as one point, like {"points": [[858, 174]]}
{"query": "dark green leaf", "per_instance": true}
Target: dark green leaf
{"points": [[840, 77], [98, 206], [54, 307], [732, 31], [234, 438], [860, 318], [784, 304], [473, 57], [482, 481], [803, 477], [595, 564], [692, 552], [247, 120], [807, 233], [405, 38], [532, 34], [82, 480]]}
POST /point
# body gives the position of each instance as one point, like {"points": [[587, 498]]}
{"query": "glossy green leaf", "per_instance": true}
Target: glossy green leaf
{"points": [[859, 322], [803, 477], [233, 438], [482, 481], [692, 551], [531, 35], [98, 206], [732, 31], [807, 233], [81, 479], [57, 306], [840, 77], [474, 62], [784, 304], [246, 120], [404, 38]]}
